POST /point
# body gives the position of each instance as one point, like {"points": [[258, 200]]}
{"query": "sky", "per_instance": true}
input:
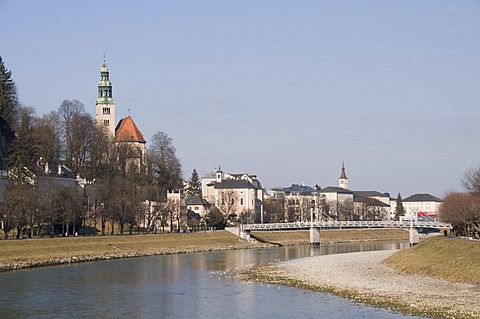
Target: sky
{"points": [[285, 90]]}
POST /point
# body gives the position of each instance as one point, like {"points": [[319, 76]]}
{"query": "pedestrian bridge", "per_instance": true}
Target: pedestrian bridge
{"points": [[344, 225]]}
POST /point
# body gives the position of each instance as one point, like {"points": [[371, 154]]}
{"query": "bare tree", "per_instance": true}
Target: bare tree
{"points": [[368, 209], [274, 210], [463, 211], [69, 206], [129, 185], [47, 139], [17, 206], [153, 213], [165, 166], [375, 213], [471, 180], [297, 208], [228, 202], [170, 212], [78, 127]]}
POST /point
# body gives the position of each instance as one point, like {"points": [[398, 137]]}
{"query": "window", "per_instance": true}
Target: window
{"points": [[241, 201], [106, 110], [106, 122]]}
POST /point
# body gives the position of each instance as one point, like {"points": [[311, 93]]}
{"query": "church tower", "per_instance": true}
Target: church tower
{"points": [[105, 106], [343, 180]]}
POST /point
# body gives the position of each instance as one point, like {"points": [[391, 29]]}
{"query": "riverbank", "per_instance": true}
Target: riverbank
{"points": [[364, 277], [33, 253], [453, 259]]}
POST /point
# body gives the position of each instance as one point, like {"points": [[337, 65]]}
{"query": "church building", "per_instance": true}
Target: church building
{"points": [[126, 131]]}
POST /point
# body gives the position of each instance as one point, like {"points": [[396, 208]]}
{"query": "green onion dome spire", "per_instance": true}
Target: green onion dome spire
{"points": [[104, 86]]}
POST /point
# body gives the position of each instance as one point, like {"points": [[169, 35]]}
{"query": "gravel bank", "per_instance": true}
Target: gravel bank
{"points": [[364, 274]]}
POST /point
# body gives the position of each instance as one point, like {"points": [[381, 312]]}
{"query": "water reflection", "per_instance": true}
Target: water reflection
{"points": [[175, 286]]}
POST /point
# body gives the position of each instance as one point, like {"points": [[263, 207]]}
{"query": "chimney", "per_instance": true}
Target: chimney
{"points": [[59, 169], [46, 168]]}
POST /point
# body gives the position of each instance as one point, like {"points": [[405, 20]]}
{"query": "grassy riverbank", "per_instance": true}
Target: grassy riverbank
{"points": [[447, 258], [331, 236], [17, 254]]}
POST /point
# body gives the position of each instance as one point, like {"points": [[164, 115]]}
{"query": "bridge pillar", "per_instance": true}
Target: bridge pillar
{"points": [[314, 236], [414, 238]]}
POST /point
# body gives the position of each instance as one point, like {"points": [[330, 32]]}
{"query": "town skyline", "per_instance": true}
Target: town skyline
{"points": [[286, 96]]}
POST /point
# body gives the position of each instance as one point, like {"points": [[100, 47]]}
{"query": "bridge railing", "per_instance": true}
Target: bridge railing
{"points": [[344, 224]]}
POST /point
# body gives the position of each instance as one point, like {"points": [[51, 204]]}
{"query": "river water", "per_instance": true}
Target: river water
{"points": [[197, 285]]}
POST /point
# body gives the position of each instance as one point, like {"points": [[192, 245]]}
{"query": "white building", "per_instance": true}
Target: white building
{"points": [[236, 195], [421, 203], [198, 205]]}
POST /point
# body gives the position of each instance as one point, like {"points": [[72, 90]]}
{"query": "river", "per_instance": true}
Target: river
{"points": [[196, 285]]}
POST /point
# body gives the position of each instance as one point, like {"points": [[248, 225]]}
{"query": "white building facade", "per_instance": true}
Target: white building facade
{"points": [[238, 196], [421, 204]]}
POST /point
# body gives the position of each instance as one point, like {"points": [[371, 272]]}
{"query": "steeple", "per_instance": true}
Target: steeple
{"points": [[219, 174], [105, 106], [343, 180]]}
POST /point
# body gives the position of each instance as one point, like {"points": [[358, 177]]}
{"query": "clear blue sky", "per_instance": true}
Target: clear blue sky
{"points": [[282, 89]]}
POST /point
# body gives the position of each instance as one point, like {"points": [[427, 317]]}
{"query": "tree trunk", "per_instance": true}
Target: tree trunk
{"points": [[19, 228], [103, 226]]}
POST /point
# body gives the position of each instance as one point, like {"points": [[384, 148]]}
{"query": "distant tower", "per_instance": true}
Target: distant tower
{"points": [[105, 106], [343, 180], [219, 175]]}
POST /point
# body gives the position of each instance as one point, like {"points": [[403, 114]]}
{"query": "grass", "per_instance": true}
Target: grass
{"points": [[34, 250], [327, 236], [447, 258]]}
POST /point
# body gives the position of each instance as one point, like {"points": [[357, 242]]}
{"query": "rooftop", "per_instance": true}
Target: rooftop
{"points": [[127, 131], [234, 184], [422, 198]]}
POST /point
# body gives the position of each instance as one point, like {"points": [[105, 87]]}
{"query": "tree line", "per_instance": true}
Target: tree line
{"points": [[118, 184]]}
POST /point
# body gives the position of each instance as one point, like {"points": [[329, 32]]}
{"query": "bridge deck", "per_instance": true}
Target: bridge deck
{"points": [[344, 224]]}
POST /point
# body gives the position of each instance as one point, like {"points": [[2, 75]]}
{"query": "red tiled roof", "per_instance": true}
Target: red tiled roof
{"points": [[127, 131]]}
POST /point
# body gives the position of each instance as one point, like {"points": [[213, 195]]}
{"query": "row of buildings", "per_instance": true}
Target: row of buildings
{"points": [[241, 197], [341, 203]]}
